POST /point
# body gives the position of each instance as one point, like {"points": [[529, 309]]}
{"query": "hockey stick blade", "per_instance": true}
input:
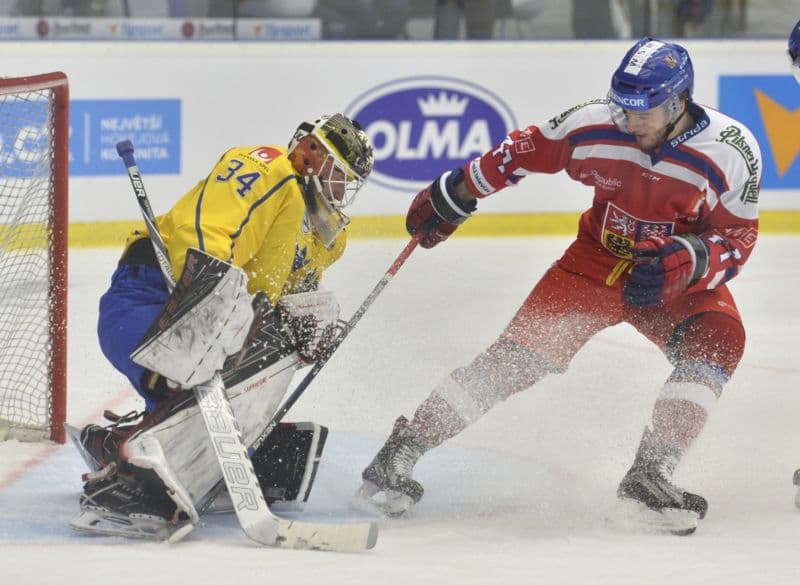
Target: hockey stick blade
{"points": [[330, 537], [632, 516]]}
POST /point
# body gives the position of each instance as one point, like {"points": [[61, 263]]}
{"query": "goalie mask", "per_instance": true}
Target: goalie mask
{"points": [[333, 155], [652, 74], [794, 51]]}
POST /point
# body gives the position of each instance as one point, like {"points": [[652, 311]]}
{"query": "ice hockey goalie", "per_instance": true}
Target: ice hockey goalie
{"points": [[152, 473]]}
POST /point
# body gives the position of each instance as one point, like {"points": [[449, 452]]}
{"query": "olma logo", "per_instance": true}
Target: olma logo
{"points": [[422, 126]]}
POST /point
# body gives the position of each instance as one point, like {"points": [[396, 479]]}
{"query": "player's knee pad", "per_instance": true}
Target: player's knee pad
{"points": [[705, 351], [505, 368], [698, 383]]}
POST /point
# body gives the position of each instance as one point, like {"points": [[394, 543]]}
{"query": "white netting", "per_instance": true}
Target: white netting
{"points": [[27, 190]]}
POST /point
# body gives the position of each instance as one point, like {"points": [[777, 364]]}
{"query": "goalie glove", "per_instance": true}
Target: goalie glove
{"points": [[310, 320]]}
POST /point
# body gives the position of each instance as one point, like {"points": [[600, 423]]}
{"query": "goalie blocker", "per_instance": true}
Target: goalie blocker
{"points": [[150, 478]]}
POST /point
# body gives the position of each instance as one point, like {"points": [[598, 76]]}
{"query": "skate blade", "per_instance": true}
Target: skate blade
{"points": [[104, 523], [371, 499], [635, 516]]}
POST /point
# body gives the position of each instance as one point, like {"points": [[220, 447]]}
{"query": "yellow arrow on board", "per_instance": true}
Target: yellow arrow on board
{"points": [[783, 131]]}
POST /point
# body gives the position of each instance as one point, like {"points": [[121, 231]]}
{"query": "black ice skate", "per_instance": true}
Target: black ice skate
{"points": [[388, 484], [122, 506], [99, 446], [662, 505]]}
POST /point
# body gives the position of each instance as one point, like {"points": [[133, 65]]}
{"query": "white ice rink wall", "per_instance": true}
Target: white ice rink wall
{"points": [[428, 107]]}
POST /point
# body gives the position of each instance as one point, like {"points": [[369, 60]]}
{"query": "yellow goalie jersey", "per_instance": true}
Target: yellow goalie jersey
{"points": [[250, 211]]}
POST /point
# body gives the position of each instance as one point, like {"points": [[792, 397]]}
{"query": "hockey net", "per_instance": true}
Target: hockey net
{"points": [[34, 160]]}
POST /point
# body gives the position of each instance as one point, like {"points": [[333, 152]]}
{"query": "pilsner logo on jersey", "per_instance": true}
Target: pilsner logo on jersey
{"points": [[422, 126]]}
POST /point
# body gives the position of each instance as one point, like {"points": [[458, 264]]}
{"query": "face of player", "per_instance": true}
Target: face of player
{"points": [[648, 127], [339, 185], [333, 180]]}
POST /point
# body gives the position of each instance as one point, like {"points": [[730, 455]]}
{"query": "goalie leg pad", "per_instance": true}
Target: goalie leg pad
{"points": [[181, 440], [170, 446]]}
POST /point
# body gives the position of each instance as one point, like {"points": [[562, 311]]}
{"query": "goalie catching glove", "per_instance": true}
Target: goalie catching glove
{"points": [[310, 320], [437, 210]]}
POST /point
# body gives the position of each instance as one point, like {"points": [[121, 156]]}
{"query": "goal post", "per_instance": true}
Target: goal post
{"points": [[34, 169]]}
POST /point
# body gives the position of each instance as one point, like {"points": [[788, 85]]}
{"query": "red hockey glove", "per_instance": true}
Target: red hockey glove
{"points": [[665, 268], [437, 211]]}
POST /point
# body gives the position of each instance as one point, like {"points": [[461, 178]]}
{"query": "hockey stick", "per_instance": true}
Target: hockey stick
{"points": [[314, 372], [255, 517]]}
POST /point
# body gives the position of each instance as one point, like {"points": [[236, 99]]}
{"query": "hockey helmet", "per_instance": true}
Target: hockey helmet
{"points": [[794, 51], [653, 73], [345, 161], [333, 156]]}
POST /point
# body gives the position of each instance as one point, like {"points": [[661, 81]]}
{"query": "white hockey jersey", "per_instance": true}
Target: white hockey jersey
{"points": [[705, 181]]}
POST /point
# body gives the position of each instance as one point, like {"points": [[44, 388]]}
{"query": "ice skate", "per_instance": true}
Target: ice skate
{"points": [[655, 501], [98, 445], [388, 485], [123, 507]]}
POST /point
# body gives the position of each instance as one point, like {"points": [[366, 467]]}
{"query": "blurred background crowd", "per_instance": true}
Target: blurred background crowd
{"points": [[461, 19]]}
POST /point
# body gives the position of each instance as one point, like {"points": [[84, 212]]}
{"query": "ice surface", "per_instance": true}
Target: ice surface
{"points": [[524, 496]]}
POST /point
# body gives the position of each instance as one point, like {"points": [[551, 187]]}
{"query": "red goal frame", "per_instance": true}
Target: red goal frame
{"points": [[57, 83]]}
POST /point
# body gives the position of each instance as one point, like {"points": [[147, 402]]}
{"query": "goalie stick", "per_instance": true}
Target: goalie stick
{"points": [[255, 517], [349, 326]]}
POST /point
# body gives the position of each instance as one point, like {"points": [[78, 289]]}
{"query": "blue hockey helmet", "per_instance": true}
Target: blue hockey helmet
{"points": [[794, 51], [652, 73]]}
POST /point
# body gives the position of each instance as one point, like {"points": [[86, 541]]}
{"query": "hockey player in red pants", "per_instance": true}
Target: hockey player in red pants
{"points": [[674, 218], [794, 60]]}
